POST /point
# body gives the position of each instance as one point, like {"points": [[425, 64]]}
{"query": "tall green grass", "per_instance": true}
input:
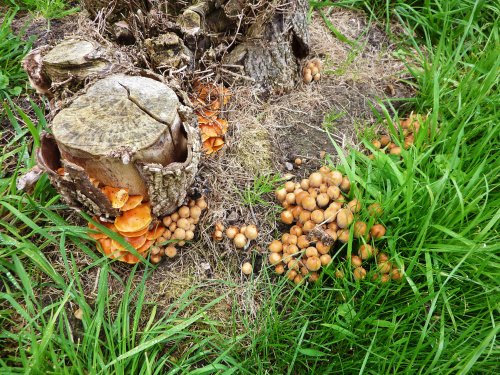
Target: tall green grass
{"points": [[48, 9], [12, 50]]}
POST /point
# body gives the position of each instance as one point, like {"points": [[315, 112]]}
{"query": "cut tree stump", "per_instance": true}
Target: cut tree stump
{"points": [[124, 132]]}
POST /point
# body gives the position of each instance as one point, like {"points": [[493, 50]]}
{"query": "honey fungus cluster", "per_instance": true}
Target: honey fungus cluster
{"points": [[323, 218], [408, 128]]}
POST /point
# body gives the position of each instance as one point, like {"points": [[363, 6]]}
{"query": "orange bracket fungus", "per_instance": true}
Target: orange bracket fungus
{"points": [[140, 230]]}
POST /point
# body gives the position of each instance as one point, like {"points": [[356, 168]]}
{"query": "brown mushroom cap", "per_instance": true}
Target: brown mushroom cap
{"points": [[359, 273], [313, 263], [134, 219], [132, 202], [117, 196]]}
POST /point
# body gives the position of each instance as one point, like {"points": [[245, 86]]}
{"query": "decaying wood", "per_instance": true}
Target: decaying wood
{"points": [[272, 46], [127, 132], [168, 185], [74, 58], [74, 186], [132, 132]]}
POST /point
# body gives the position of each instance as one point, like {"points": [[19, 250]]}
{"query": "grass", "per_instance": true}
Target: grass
{"points": [[13, 49], [441, 208], [48, 9]]}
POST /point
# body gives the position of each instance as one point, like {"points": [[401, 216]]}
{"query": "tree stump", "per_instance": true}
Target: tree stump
{"points": [[124, 132]]}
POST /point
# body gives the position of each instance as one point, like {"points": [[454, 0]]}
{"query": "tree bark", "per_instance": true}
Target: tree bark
{"points": [[258, 41]]}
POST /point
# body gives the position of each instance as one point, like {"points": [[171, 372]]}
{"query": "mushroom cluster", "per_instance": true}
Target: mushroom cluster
{"points": [[137, 227], [408, 127], [240, 236], [208, 102], [322, 217], [312, 71]]}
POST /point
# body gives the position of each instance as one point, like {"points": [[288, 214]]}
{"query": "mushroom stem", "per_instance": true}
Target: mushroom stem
{"points": [[149, 113]]}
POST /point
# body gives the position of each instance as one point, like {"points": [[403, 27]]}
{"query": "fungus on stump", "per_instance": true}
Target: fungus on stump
{"points": [[125, 132]]}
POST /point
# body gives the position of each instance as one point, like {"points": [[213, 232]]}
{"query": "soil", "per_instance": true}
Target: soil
{"points": [[264, 139]]}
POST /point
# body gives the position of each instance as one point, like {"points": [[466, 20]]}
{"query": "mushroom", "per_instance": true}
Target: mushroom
{"points": [[170, 251], [317, 216], [240, 241], [375, 209], [291, 275], [360, 228], [339, 274], [334, 178], [309, 203], [344, 218], [280, 269], [135, 242], [323, 248], [274, 258], [359, 273], [325, 259], [135, 219], [384, 266], [146, 246], [315, 179], [313, 263], [132, 202], [276, 246], [116, 196], [287, 217], [195, 212], [385, 140], [247, 268], [156, 232], [231, 232], [345, 185], [343, 235], [281, 194], [377, 231], [365, 251], [200, 202], [135, 234], [356, 261], [184, 212], [311, 252], [354, 206], [323, 199]]}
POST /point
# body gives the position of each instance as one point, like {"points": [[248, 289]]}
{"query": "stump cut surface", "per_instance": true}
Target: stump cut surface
{"points": [[105, 121]]}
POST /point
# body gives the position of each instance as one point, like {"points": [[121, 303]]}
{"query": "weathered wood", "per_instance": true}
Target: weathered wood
{"points": [[77, 59], [74, 186], [272, 46], [259, 40], [119, 133]]}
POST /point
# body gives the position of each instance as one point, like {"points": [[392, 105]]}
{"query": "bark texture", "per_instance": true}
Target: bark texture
{"points": [[272, 45], [258, 41]]}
